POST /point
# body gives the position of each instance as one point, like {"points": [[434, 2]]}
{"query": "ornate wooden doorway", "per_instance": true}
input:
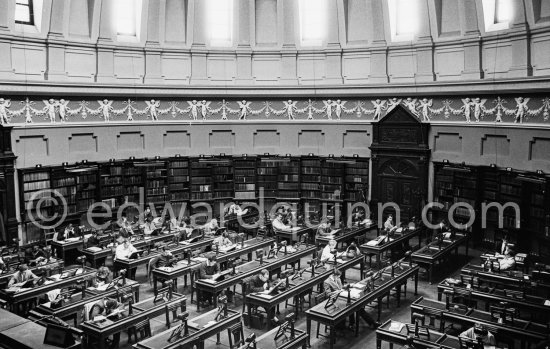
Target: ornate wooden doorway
{"points": [[400, 156]]}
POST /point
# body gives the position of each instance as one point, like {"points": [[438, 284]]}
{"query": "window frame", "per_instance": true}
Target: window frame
{"points": [[30, 7]]}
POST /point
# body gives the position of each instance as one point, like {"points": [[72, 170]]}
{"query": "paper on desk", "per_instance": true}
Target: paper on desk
{"points": [[547, 302], [399, 230], [93, 249], [102, 287], [295, 228], [372, 243], [210, 323], [396, 326]]}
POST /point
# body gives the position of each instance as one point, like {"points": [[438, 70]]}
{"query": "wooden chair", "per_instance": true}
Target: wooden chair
{"points": [[143, 328], [173, 308], [236, 335], [463, 296], [418, 330]]}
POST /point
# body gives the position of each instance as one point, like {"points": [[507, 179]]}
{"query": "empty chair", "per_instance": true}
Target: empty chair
{"points": [[143, 328]]}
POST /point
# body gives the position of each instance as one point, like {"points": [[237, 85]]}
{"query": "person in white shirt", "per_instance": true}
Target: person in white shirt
{"points": [[223, 240], [481, 332], [149, 227], [507, 260], [388, 224], [278, 224], [327, 254], [236, 209], [211, 227], [67, 233], [124, 251]]}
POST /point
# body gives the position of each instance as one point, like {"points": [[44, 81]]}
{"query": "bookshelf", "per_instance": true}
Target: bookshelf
{"points": [[36, 184], [178, 179], [245, 178], [133, 182], [65, 184], [455, 183], [332, 180], [156, 182], [356, 180], [289, 179], [201, 180], [111, 189], [86, 188], [310, 178], [266, 176]]}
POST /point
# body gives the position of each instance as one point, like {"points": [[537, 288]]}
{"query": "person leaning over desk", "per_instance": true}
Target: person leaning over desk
{"points": [[124, 251], [207, 270], [479, 333], [22, 275], [327, 254], [108, 307], [333, 284]]}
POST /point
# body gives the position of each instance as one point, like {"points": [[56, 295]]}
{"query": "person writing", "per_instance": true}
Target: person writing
{"points": [[388, 224], [22, 275], [278, 224], [165, 259], [260, 282], [333, 284], [479, 333], [324, 229], [209, 268], [102, 277], [108, 307], [327, 255], [149, 227], [223, 240]]}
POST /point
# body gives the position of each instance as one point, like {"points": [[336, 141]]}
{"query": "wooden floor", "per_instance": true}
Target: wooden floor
{"points": [[346, 338]]}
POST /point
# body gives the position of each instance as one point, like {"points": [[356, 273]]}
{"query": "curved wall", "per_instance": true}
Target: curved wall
{"points": [[76, 49]]}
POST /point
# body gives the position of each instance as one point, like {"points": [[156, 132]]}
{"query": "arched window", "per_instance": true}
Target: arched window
{"points": [[220, 22], [313, 22], [127, 19], [497, 14], [404, 17]]}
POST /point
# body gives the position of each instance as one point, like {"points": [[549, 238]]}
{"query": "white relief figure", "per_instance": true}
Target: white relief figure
{"points": [[392, 103], [244, 106], [194, 106], [424, 106], [204, 108], [309, 109], [378, 107], [410, 103], [467, 108], [328, 108], [338, 107], [224, 109], [105, 107], [478, 107], [28, 105], [521, 108], [152, 106], [290, 108], [4, 105], [49, 108], [63, 106]]}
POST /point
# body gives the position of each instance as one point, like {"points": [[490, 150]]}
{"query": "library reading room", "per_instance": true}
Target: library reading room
{"points": [[275, 174]]}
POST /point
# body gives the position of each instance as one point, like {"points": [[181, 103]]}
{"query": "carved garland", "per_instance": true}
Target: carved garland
{"points": [[471, 110]]}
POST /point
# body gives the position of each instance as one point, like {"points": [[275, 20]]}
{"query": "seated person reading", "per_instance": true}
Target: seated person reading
{"points": [[67, 233], [324, 229], [223, 240], [278, 224], [109, 308], [149, 227], [94, 239], [357, 217], [22, 275], [103, 277], [352, 250], [211, 227], [481, 332], [388, 225], [145, 215], [260, 282], [125, 250], [327, 254], [333, 284], [209, 269], [507, 260], [165, 259], [176, 225], [38, 257]]}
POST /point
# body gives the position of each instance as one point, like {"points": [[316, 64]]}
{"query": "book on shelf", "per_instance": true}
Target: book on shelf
{"points": [[36, 176]]}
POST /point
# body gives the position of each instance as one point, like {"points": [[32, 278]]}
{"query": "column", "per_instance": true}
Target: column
{"points": [[379, 50], [198, 46], [56, 48], [521, 64], [424, 46], [153, 73], [333, 49], [244, 12], [105, 44], [471, 40], [289, 71]]}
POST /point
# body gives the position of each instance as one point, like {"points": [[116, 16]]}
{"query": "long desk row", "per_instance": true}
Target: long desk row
{"points": [[522, 330], [341, 310]]}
